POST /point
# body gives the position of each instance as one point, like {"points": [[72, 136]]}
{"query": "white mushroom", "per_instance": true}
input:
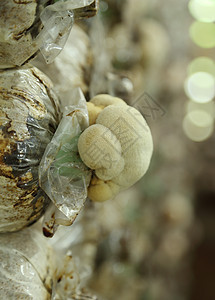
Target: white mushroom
{"points": [[98, 103], [100, 154], [104, 100], [121, 134]]}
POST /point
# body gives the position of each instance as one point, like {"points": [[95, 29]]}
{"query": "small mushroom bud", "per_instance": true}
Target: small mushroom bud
{"points": [[98, 103], [104, 100], [93, 112], [101, 190]]}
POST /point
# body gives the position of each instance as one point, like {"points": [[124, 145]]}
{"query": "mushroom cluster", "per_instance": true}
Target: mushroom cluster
{"points": [[41, 130], [30, 110], [117, 146]]}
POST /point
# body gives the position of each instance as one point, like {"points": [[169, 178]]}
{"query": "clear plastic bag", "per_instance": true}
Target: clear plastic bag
{"points": [[31, 268], [29, 115], [29, 26], [72, 66], [57, 20], [26, 265], [62, 174]]}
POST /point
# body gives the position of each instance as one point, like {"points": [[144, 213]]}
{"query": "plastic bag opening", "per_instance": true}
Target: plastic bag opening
{"points": [[62, 174]]}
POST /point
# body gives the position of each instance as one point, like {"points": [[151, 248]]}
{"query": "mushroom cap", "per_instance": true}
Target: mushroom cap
{"points": [[110, 173], [101, 191], [103, 100], [118, 146], [98, 103], [133, 133], [93, 112], [101, 151]]}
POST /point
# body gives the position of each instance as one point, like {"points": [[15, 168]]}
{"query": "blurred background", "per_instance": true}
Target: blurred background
{"points": [[156, 241]]}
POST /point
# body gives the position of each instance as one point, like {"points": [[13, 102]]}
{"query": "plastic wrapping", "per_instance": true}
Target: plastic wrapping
{"points": [[29, 115], [26, 266], [57, 26], [57, 20], [27, 26], [82, 242], [63, 176], [71, 67], [19, 23], [30, 268]]}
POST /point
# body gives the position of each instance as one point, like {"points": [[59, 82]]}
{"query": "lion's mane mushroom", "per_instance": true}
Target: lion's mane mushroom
{"points": [[117, 146], [98, 103]]}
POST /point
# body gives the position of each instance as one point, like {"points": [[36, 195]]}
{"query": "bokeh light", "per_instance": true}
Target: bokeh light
{"points": [[200, 83], [200, 87], [201, 64], [198, 125], [202, 10], [208, 107], [203, 34]]}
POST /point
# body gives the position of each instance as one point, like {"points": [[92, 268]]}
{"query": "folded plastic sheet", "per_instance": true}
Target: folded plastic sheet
{"points": [[62, 174], [57, 20], [72, 66]]}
